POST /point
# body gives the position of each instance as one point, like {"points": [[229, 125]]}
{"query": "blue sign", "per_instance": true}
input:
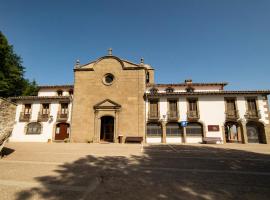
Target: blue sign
{"points": [[183, 123]]}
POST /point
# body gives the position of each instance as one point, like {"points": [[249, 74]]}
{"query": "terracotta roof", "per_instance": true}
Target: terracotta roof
{"points": [[266, 92], [39, 97], [187, 84], [55, 86]]}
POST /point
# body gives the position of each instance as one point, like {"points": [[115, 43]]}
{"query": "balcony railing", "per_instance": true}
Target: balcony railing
{"points": [[193, 115], [62, 116], [25, 117], [172, 115], [43, 117], [253, 114], [232, 114], [153, 116]]}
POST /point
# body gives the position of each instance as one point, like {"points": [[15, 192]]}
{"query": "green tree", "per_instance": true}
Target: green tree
{"points": [[12, 81]]}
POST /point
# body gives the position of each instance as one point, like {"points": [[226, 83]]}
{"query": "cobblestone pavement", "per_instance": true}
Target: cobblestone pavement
{"points": [[131, 171]]}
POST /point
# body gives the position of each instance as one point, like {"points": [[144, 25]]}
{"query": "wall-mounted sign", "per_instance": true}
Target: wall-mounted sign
{"points": [[183, 123], [213, 127]]}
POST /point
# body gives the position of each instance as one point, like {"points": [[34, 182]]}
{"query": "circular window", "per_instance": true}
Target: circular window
{"points": [[108, 79]]}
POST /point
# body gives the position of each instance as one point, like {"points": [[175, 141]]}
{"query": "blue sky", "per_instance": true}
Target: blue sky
{"points": [[205, 40]]}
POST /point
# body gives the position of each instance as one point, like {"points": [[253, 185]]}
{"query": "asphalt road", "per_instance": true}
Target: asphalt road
{"points": [[132, 171]]}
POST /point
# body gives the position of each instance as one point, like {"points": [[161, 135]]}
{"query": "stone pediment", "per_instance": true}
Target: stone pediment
{"points": [[107, 104]]}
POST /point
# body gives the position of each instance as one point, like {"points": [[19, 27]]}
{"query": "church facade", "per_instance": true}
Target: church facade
{"points": [[115, 100]]}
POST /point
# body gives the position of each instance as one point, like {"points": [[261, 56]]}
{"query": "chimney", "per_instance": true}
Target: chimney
{"points": [[188, 81]]}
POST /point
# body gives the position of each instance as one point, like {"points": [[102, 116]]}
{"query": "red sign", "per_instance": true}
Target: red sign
{"points": [[213, 127]]}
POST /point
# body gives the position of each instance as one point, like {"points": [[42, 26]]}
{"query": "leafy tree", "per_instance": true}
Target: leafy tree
{"points": [[12, 81]]}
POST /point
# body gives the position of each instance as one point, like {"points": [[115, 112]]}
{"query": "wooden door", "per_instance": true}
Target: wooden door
{"points": [[62, 131]]}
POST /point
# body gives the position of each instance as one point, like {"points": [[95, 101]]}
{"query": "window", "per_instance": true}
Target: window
{"points": [[45, 109], [154, 129], [172, 108], [153, 108], [194, 129], [33, 128], [230, 103], [252, 104], [59, 92], [169, 90], [153, 90], [192, 104], [27, 109], [108, 79], [64, 108], [147, 79], [70, 92], [173, 129], [190, 89]]}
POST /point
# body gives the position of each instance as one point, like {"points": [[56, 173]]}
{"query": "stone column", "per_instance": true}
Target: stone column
{"points": [[245, 139], [163, 132], [184, 134], [223, 134]]}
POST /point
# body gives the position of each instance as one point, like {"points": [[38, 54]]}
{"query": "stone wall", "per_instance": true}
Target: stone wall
{"points": [[7, 117]]}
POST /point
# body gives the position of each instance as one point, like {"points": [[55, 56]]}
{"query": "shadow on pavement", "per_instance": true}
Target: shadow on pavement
{"points": [[162, 172], [6, 151]]}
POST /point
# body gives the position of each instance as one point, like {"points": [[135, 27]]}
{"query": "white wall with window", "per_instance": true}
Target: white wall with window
{"points": [[19, 133]]}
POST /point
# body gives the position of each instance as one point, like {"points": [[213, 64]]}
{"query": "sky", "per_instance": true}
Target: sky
{"points": [[202, 40]]}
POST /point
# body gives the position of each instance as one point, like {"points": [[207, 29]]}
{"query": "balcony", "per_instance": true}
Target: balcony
{"points": [[153, 116], [62, 117], [24, 117], [43, 117], [172, 115], [193, 115], [232, 115], [253, 114]]}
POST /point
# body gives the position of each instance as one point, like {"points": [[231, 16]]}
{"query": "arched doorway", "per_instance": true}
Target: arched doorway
{"points": [[61, 131], [233, 133], [107, 129], [255, 132], [174, 132], [194, 132], [153, 132]]}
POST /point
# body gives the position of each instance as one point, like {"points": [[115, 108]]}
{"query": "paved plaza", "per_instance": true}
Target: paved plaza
{"points": [[132, 171]]}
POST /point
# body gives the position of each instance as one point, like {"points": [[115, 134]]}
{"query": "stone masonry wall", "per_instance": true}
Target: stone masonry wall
{"points": [[7, 117]]}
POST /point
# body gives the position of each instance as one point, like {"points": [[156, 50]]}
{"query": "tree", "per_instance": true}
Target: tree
{"points": [[12, 81]]}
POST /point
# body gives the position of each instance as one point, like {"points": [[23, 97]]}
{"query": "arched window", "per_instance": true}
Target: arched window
{"points": [[154, 129], [173, 129], [255, 132], [70, 92], [169, 90], [59, 92], [33, 128], [153, 90], [147, 78], [189, 89], [194, 129]]}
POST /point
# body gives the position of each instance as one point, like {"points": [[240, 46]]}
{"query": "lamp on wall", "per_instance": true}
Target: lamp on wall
{"points": [[51, 118]]}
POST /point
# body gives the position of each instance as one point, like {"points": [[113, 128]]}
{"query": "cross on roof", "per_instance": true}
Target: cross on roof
{"points": [[110, 51]]}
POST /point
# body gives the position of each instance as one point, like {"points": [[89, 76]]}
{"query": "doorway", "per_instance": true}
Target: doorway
{"points": [[255, 132], [62, 131], [107, 129]]}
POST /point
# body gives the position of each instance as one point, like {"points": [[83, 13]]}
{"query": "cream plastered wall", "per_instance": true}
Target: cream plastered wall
{"points": [[18, 133], [52, 92], [183, 88], [127, 90]]}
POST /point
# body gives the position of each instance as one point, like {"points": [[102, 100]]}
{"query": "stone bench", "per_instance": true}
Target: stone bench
{"points": [[211, 140], [133, 139]]}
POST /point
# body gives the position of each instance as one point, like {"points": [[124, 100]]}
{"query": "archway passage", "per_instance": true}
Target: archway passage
{"points": [[233, 132], [255, 132], [62, 131], [107, 129]]}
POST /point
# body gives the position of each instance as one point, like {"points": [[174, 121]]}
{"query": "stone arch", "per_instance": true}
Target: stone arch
{"points": [[233, 132], [255, 132]]}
